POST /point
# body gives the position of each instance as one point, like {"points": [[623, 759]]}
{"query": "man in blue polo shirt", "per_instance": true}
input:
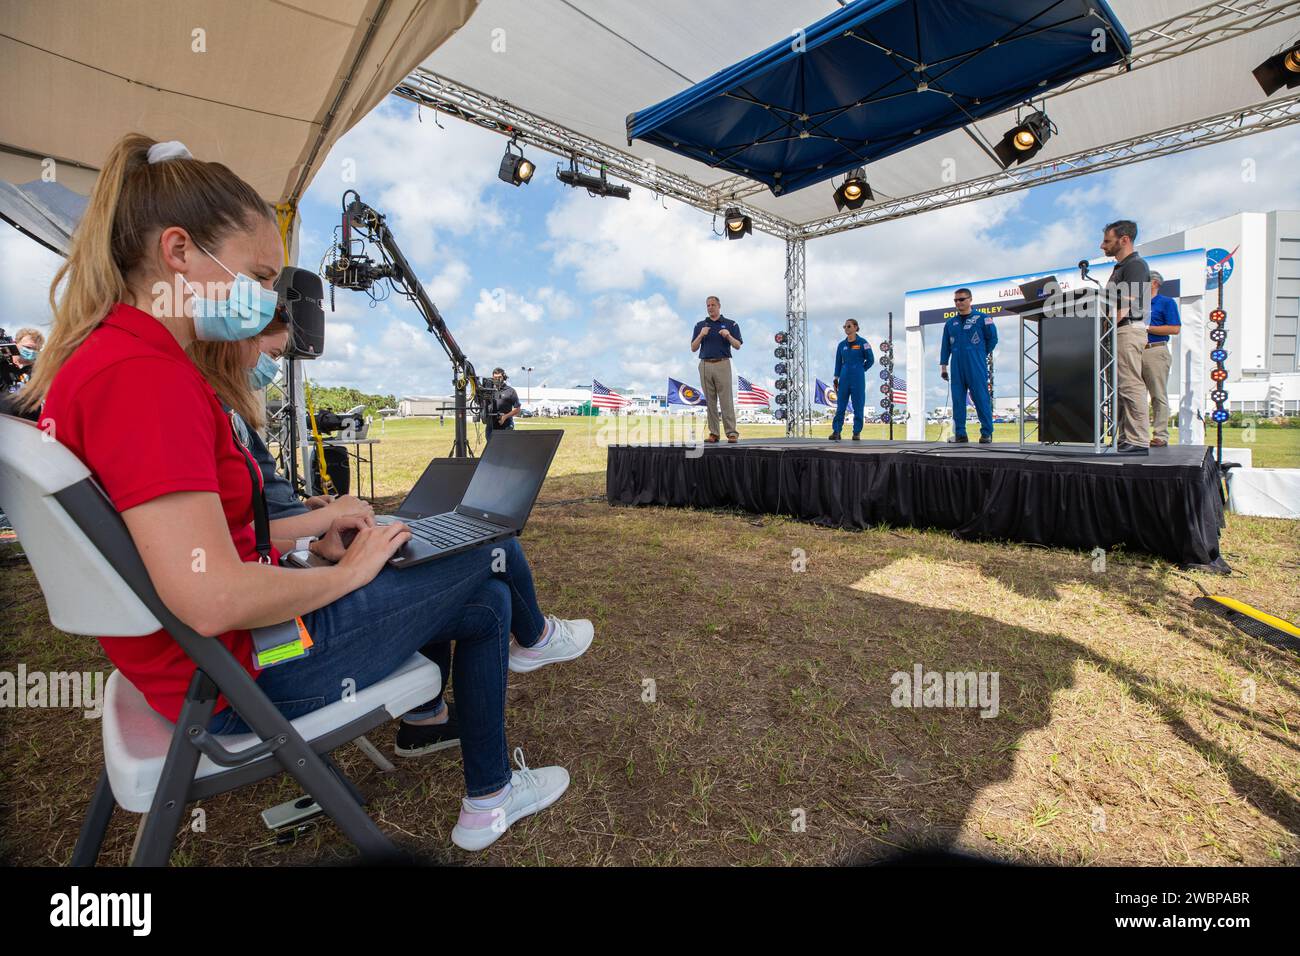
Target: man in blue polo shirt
{"points": [[714, 338], [1163, 322]]}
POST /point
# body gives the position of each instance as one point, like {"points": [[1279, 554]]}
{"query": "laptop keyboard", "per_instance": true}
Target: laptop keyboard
{"points": [[451, 529]]}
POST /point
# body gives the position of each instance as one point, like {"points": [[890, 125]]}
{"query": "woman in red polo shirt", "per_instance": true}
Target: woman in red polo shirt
{"points": [[173, 249]]}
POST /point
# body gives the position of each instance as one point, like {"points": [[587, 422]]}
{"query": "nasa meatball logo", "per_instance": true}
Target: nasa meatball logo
{"points": [[688, 394], [1218, 262], [832, 395]]}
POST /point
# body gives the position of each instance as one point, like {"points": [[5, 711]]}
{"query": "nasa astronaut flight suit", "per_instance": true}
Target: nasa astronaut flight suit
{"points": [[852, 359], [968, 341]]}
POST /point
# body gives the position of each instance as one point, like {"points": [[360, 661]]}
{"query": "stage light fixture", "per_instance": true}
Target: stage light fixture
{"points": [[737, 224], [779, 352], [782, 398], [1219, 316], [781, 368], [515, 169], [854, 191], [595, 185], [885, 389], [781, 384], [884, 375], [1219, 396], [1218, 335], [885, 403], [779, 414], [1279, 70], [1218, 355], [780, 338], [885, 347], [1219, 374], [1220, 415], [886, 418], [1024, 140]]}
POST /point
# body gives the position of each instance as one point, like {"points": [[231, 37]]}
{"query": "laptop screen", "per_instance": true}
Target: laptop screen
{"points": [[510, 475], [440, 488]]}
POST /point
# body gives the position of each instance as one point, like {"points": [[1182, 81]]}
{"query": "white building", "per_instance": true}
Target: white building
{"points": [[1261, 294]]}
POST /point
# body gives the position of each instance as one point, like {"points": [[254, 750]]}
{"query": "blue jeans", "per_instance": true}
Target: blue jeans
{"points": [[365, 635], [527, 622]]}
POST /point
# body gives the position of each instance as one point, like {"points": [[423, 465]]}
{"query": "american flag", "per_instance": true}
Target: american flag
{"points": [[601, 397], [751, 394], [900, 390]]}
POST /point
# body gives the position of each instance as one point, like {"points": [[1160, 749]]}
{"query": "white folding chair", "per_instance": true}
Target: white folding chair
{"points": [[95, 584]]}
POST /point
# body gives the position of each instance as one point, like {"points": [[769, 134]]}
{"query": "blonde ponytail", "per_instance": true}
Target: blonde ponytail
{"points": [[132, 202]]}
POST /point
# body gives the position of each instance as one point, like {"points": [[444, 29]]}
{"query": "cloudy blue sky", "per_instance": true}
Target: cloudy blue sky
{"points": [[580, 287]]}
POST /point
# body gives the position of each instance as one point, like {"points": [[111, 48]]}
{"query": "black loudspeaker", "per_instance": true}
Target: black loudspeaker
{"points": [[301, 299], [340, 466]]}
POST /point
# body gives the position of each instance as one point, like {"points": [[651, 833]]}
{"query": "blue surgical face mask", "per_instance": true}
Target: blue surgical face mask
{"points": [[246, 311], [263, 374], [28, 354]]}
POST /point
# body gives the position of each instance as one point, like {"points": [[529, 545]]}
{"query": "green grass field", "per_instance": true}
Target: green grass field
{"points": [[741, 682]]}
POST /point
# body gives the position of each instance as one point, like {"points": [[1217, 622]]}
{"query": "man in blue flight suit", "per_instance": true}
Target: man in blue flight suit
{"points": [[852, 359], [969, 338]]}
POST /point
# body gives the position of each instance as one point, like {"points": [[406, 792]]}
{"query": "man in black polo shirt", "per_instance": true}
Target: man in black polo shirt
{"points": [[505, 406], [1128, 300], [714, 338]]}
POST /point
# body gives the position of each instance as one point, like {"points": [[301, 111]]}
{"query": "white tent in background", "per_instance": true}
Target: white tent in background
{"points": [[265, 88]]}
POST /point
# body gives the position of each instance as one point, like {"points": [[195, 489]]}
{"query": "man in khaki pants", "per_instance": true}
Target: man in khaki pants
{"points": [[1163, 322], [714, 338], [1128, 295]]}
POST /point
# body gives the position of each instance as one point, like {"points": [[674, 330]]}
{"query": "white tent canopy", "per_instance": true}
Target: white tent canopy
{"points": [[264, 87], [586, 64]]}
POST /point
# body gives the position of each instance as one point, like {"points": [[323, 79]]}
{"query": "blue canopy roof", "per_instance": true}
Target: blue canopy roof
{"points": [[876, 77]]}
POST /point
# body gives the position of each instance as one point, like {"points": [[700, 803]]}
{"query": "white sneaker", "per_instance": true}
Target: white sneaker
{"points": [[530, 791], [569, 639]]}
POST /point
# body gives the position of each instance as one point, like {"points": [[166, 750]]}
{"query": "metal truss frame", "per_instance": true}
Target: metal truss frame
{"points": [[430, 90], [1259, 118], [427, 88], [798, 406]]}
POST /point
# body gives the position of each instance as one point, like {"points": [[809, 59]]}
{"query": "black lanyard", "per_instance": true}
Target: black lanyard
{"points": [[261, 524]]}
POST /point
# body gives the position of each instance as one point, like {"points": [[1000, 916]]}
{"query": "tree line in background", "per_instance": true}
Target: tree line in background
{"points": [[337, 399]]}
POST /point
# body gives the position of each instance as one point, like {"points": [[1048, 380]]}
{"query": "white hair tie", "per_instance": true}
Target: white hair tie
{"points": [[172, 149]]}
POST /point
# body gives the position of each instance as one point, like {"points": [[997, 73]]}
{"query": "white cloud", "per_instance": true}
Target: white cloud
{"points": [[430, 181], [445, 288], [25, 280], [612, 245]]}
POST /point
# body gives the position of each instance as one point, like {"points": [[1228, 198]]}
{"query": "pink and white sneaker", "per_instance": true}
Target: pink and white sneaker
{"points": [[530, 791], [569, 639]]}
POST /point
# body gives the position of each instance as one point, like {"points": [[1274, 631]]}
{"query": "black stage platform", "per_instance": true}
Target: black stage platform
{"points": [[1166, 503]]}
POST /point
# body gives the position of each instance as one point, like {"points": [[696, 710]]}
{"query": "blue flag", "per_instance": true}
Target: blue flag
{"points": [[679, 393], [826, 395]]}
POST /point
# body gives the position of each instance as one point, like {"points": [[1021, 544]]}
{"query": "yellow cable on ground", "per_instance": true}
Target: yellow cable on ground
{"points": [[1286, 627], [327, 483]]}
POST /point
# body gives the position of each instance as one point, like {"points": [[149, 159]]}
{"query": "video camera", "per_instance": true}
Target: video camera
{"points": [[352, 422]]}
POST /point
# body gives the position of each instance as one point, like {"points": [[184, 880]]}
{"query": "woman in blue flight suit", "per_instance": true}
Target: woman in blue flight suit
{"points": [[969, 338], [852, 359]]}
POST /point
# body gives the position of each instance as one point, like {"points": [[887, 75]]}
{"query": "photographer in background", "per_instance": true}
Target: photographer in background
{"points": [[19, 355], [505, 406], [17, 359]]}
